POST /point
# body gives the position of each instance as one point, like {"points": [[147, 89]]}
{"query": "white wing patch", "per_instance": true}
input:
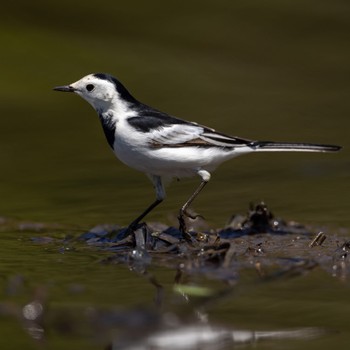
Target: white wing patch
{"points": [[182, 135], [175, 134]]}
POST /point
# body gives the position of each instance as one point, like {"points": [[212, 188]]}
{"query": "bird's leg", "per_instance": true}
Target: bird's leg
{"points": [[160, 193], [183, 211], [134, 224]]}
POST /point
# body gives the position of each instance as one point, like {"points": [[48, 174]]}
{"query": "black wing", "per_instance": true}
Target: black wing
{"points": [[164, 130]]}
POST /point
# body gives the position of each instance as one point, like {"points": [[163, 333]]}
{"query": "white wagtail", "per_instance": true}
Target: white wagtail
{"points": [[163, 146]]}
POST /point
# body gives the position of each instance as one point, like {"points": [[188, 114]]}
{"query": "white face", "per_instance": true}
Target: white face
{"points": [[99, 93], [103, 92]]}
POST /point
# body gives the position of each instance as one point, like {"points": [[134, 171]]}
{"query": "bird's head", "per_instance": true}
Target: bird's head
{"points": [[101, 90]]}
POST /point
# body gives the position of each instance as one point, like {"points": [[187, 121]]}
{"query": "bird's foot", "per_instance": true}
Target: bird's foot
{"points": [[182, 225], [130, 230]]}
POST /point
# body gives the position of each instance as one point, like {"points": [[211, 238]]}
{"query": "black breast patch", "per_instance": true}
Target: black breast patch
{"points": [[109, 126]]}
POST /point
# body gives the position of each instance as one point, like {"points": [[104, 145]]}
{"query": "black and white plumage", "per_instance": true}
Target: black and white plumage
{"points": [[161, 145]]}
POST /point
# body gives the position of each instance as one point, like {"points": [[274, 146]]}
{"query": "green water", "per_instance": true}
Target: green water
{"points": [[262, 70]]}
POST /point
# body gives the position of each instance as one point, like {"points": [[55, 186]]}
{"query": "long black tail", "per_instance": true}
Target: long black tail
{"points": [[269, 146]]}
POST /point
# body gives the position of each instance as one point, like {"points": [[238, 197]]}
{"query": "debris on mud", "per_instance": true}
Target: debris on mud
{"points": [[256, 240]]}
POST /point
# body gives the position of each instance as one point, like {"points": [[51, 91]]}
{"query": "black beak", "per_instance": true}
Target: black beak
{"points": [[66, 88]]}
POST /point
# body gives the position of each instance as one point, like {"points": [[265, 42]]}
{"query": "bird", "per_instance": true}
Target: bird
{"points": [[163, 146]]}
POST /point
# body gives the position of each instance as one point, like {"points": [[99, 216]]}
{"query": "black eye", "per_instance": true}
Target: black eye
{"points": [[90, 87]]}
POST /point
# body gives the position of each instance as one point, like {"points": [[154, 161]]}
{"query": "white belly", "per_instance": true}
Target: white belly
{"points": [[171, 161]]}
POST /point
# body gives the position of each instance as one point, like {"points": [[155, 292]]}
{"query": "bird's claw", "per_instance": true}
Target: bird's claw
{"points": [[182, 224], [183, 229]]}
